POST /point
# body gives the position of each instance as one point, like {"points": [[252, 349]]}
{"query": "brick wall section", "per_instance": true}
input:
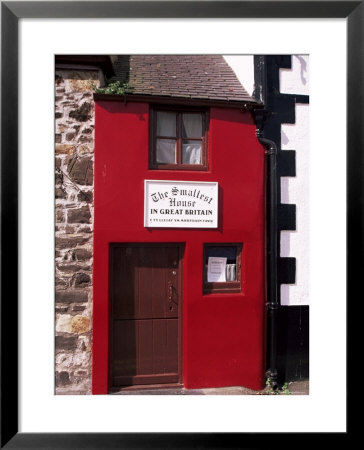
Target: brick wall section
{"points": [[74, 146]]}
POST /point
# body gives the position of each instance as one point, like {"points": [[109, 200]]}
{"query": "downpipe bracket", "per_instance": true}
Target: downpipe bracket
{"points": [[272, 306]]}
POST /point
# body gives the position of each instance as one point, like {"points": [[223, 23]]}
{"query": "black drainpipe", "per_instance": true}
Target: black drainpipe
{"points": [[272, 242]]}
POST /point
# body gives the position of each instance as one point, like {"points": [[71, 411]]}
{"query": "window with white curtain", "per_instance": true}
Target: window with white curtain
{"points": [[179, 139]]}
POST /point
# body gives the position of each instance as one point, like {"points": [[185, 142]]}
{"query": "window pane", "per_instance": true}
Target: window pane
{"points": [[166, 124], [191, 152], [191, 125], [230, 272], [223, 252], [166, 151]]}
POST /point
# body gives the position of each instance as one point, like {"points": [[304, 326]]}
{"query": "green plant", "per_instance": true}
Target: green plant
{"points": [[116, 88], [269, 390], [284, 390]]}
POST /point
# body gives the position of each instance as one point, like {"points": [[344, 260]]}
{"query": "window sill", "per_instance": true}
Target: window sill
{"points": [[180, 167], [222, 288]]}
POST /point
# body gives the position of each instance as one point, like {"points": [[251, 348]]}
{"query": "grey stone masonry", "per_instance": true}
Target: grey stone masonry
{"points": [[74, 148]]}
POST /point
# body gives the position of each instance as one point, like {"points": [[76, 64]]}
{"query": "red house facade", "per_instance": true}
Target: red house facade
{"points": [[180, 301]]}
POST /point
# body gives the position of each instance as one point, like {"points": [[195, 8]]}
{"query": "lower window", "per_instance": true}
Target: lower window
{"points": [[222, 268]]}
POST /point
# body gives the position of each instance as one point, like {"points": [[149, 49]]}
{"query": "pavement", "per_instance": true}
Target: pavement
{"points": [[293, 388]]}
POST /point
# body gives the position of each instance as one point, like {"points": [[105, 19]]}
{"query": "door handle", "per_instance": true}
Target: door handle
{"points": [[170, 291], [170, 294]]}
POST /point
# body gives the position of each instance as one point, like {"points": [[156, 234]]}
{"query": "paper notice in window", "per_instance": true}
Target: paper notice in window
{"points": [[216, 269]]}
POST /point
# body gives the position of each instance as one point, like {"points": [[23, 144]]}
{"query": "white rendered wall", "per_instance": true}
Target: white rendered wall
{"points": [[295, 80], [295, 190], [243, 66]]}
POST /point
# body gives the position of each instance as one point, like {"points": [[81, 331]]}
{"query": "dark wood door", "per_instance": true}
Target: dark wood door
{"points": [[145, 288]]}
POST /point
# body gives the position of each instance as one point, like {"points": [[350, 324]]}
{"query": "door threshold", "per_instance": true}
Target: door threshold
{"points": [[146, 387]]}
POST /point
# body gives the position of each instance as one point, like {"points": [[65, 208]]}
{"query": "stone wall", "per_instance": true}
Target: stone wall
{"points": [[74, 147]]}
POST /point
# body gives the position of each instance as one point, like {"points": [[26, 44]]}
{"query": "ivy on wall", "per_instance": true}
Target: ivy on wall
{"points": [[115, 88]]}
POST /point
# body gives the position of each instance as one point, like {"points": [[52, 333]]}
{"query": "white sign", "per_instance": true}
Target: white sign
{"points": [[180, 204], [216, 269]]}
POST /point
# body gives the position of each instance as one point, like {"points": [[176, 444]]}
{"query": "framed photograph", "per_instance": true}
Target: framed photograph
{"points": [[26, 207]]}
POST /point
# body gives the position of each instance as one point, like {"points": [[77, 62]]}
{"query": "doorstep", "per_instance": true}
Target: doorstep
{"points": [[295, 388]]}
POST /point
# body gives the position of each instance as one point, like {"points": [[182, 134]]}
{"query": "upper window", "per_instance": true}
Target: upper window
{"points": [[179, 139]]}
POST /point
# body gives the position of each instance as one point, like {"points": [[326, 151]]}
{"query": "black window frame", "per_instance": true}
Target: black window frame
{"points": [[179, 110], [226, 287]]}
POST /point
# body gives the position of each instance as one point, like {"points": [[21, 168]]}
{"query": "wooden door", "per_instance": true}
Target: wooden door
{"points": [[145, 290]]}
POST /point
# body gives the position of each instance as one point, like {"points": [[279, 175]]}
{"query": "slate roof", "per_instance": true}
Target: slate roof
{"points": [[198, 77]]}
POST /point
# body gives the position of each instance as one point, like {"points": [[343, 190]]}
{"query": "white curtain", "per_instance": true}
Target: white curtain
{"points": [[167, 128], [191, 152], [166, 124], [166, 151], [191, 125]]}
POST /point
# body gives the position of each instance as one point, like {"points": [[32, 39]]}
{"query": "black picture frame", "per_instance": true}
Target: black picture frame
{"points": [[11, 12]]}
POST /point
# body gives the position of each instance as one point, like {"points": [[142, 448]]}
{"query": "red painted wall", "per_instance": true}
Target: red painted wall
{"points": [[223, 334]]}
